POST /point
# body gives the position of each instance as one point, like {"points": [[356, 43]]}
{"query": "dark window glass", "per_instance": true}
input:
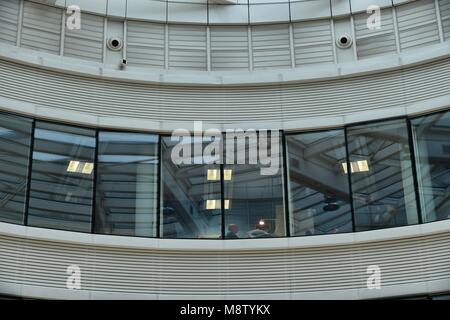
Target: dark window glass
{"points": [[254, 195], [15, 140], [432, 151], [127, 180], [319, 197], [190, 195], [62, 177], [381, 175]]}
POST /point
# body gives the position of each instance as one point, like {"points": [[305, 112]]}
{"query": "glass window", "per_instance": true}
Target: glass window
{"points": [[62, 177], [432, 152], [381, 175], [15, 140], [190, 193], [253, 190], [127, 184], [319, 197]]}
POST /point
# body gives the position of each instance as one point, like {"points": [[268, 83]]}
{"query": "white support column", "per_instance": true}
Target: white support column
{"points": [[396, 32], [19, 24], [439, 21]]}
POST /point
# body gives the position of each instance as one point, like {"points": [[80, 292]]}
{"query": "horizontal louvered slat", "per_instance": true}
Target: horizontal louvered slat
{"points": [[41, 27], [375, 42], [87, 42], [187, 47], [313, 42], [271, 46], [9, 16], [146, 44], [412, 259], [229, 47], [225, 104], [417, 24]]}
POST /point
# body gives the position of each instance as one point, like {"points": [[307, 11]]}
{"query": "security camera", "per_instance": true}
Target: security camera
{"points": [[344, 41], [114, 44]]}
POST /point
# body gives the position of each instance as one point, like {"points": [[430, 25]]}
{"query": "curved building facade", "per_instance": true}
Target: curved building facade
{"points": [[159, 149]]}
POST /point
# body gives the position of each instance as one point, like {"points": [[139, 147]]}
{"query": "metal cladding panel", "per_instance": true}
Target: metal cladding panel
{"points": [[313, 42], [146, 44], [417, 24], [187, 47], [444, 6], [87, 42], [375, 42], [271, 46], [9, 17], [225, 104], [41, 27], [229, 47], [230, 272]]}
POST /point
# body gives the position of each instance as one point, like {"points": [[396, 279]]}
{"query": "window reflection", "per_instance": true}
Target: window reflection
{"points": [[319, 194], [381, 175], [432, 146], [62, 177], [127, 177], [15, 140], [255, 201], [191, 196]]}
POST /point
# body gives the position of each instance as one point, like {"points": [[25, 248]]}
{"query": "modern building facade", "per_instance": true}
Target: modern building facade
{"points": [[331, 120]]}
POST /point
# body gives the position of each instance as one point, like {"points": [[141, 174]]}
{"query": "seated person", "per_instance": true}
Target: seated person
{"points": [[233, 229]]}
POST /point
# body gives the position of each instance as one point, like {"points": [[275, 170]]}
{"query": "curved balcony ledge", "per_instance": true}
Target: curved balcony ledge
{"points": [[226, 78]]}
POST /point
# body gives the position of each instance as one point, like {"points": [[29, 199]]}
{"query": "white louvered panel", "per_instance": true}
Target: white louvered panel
{"points": [[417, 24], [145, 44], [225, 104], [229, 47], [87, 42], [187, 47], [444, 6], [370, 43], [9, 16], [313, 42], [271, 48], [412, 259], [41, 28]]}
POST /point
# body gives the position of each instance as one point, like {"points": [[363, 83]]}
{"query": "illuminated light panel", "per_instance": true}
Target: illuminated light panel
{"points": [[215, 204], [80, 167], [357, 166], [214, 174]]}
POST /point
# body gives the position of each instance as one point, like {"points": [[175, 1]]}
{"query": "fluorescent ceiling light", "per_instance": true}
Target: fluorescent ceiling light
{"points": [[80, 167], [356, 166], [214, 174]]}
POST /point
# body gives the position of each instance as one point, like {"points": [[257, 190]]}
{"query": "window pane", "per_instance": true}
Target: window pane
{"points": [[62, 177], [254, 202], [381, 175], [190, 195], [15, 140], [432, 147], [319, 194], [127, 180]]}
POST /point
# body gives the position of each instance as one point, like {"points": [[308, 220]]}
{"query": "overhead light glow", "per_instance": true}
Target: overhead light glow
{"points": [[214, 174], [216, 204], [262, 222], [356, 166], [80, 167]]}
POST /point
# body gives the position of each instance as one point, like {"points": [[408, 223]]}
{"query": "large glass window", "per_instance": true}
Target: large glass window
{"points": [[432, 152], [190, 193], [62, 177], [253, 186], [381, 175], [319, 197], [15, 140], [127, 184]]}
